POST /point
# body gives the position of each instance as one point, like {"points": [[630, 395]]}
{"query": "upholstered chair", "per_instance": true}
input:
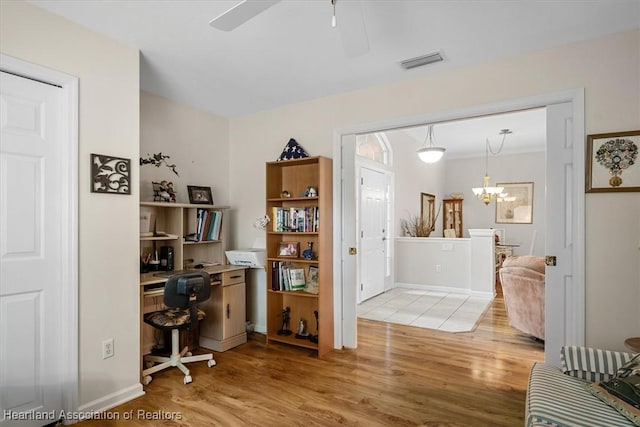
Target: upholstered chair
{"points": [[522, 280]]}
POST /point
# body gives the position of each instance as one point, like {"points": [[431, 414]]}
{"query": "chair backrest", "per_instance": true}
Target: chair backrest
{"points": [[185, 289]]}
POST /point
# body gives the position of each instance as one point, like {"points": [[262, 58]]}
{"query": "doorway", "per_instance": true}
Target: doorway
{"points": [[38, 190], [566, 329]]}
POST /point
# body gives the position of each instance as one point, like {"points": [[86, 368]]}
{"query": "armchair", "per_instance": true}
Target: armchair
{"points": [[522, 280]]}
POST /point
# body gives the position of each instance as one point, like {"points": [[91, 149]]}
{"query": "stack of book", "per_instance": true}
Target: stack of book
{"points": [[296, 219], [204, 225], [287, 277]]}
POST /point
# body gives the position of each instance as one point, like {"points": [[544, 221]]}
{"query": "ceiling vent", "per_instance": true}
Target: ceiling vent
{"points": [[421, 60]]}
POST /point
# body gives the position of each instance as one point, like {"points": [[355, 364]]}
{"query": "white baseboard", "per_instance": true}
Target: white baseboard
{"points": [[112, 400], [447, 289]]}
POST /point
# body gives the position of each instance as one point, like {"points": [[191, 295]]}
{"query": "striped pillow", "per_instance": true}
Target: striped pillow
{"points": [[591, 364]]}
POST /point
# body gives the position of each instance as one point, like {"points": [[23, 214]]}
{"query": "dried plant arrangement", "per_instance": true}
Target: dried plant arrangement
{"points": [[417, 226]]}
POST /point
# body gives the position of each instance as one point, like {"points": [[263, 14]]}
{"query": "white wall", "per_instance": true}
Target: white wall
{"points": [[459, 175], [612, 103], [412, 177], [198, 143], [464, 174], [109, 93]]}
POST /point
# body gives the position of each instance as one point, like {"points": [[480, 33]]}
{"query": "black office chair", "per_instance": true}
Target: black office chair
{"points": [[182, 293]]}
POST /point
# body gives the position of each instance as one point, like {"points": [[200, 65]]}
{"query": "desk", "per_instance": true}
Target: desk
{"points": [[223, 328]]}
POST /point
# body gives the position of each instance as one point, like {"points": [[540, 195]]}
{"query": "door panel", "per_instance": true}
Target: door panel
{"points": [[373, 233], [234, 300], [559, 286], [30, 235]]}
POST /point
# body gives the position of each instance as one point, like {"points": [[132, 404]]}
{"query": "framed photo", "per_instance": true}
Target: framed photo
{"points": [[515, 204], [612, 162], [289, 249], [110, 174], [200, 195], [312, 280], [428, 209]]}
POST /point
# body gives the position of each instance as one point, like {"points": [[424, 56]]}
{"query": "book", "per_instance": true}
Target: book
{"points": [[296, 279], [217, 226], [207, 225], [312, 285]]}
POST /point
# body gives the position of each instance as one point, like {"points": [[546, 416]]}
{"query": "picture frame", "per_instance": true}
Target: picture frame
{"points": [[612, 162], [200, 195], [110, 174], [515, 205], [289, 250], [428, 209], [313, 285]]}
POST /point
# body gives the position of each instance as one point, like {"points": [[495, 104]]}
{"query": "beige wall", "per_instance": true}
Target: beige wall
{"points": [[198, 143], [108, 74], [611, 79]]}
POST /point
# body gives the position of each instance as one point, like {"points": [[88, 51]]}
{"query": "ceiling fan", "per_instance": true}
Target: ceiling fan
{"points": [[353, 32]]}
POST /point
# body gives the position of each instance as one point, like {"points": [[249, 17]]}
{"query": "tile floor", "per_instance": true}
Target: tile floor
{"points": [[449, 312]]}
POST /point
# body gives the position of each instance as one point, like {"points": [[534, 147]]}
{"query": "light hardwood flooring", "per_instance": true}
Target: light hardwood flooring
{"points": [[398, 376]]}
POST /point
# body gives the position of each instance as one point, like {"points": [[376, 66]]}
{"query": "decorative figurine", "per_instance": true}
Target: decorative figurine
{"points": [[285, 194], [302, 333], [308, 253], [163, 192], [314, 338], [310, 192], [285, 322]]}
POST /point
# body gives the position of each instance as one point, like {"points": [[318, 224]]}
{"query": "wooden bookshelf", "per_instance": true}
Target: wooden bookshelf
{"points": [[294, 177]]}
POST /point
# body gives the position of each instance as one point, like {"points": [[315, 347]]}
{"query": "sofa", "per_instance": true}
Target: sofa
{"points": [[564, 396], [522, 281]]}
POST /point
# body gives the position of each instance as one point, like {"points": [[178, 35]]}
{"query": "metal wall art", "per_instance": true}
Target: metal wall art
{"points": [[110, 174], [612, 162]]}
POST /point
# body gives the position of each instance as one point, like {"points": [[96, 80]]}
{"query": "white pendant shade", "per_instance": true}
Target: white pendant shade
{"points": [[430, 154]]}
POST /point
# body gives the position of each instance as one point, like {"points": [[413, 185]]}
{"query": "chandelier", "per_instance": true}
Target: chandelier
{"points": [[430, 153], [487, 193]]}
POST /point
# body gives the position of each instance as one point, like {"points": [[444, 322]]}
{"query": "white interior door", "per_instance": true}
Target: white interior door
{"points": [[31, 369], [374, 198], [560, 284]]}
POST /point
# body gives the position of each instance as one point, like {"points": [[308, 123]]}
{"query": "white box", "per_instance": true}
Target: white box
{"points": [[252, 257]]}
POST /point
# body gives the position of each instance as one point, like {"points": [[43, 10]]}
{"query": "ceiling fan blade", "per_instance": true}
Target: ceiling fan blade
{"points": [[353, 31], [240, 13]]}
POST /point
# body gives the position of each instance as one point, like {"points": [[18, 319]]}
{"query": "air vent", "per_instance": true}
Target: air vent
{"points": [[421, 60]]}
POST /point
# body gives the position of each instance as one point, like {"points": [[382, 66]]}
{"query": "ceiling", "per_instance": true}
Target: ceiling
{"points": [[466, 138], [290, 53]]}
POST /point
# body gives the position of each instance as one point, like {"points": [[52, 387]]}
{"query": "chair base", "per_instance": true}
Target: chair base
{"points": [[177, 359]]}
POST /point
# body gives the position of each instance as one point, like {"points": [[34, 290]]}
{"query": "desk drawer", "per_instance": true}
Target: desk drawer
{"points": [[232, 277]]}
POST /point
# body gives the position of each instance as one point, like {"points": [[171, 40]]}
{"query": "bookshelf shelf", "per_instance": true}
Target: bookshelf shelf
{"points": [[313, 217], [297, 293]]}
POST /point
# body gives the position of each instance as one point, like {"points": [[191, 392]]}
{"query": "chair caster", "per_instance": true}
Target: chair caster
{"points": [[187, 379], [188, 354], [146, 380], [211, 363]]}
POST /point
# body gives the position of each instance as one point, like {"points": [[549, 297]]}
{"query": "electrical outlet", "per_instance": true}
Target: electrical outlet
{"points": [[438, 268], [107, 348]]}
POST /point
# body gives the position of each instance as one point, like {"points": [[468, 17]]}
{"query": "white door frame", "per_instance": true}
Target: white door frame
{"points": [[345, 317], [69, 225]]}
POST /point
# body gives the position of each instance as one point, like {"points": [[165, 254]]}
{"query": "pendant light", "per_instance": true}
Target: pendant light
{"points": [[487, 193], [430, 153]]}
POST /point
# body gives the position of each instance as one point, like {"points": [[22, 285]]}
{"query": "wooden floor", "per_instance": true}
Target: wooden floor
{"points": [[398, 376]]}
